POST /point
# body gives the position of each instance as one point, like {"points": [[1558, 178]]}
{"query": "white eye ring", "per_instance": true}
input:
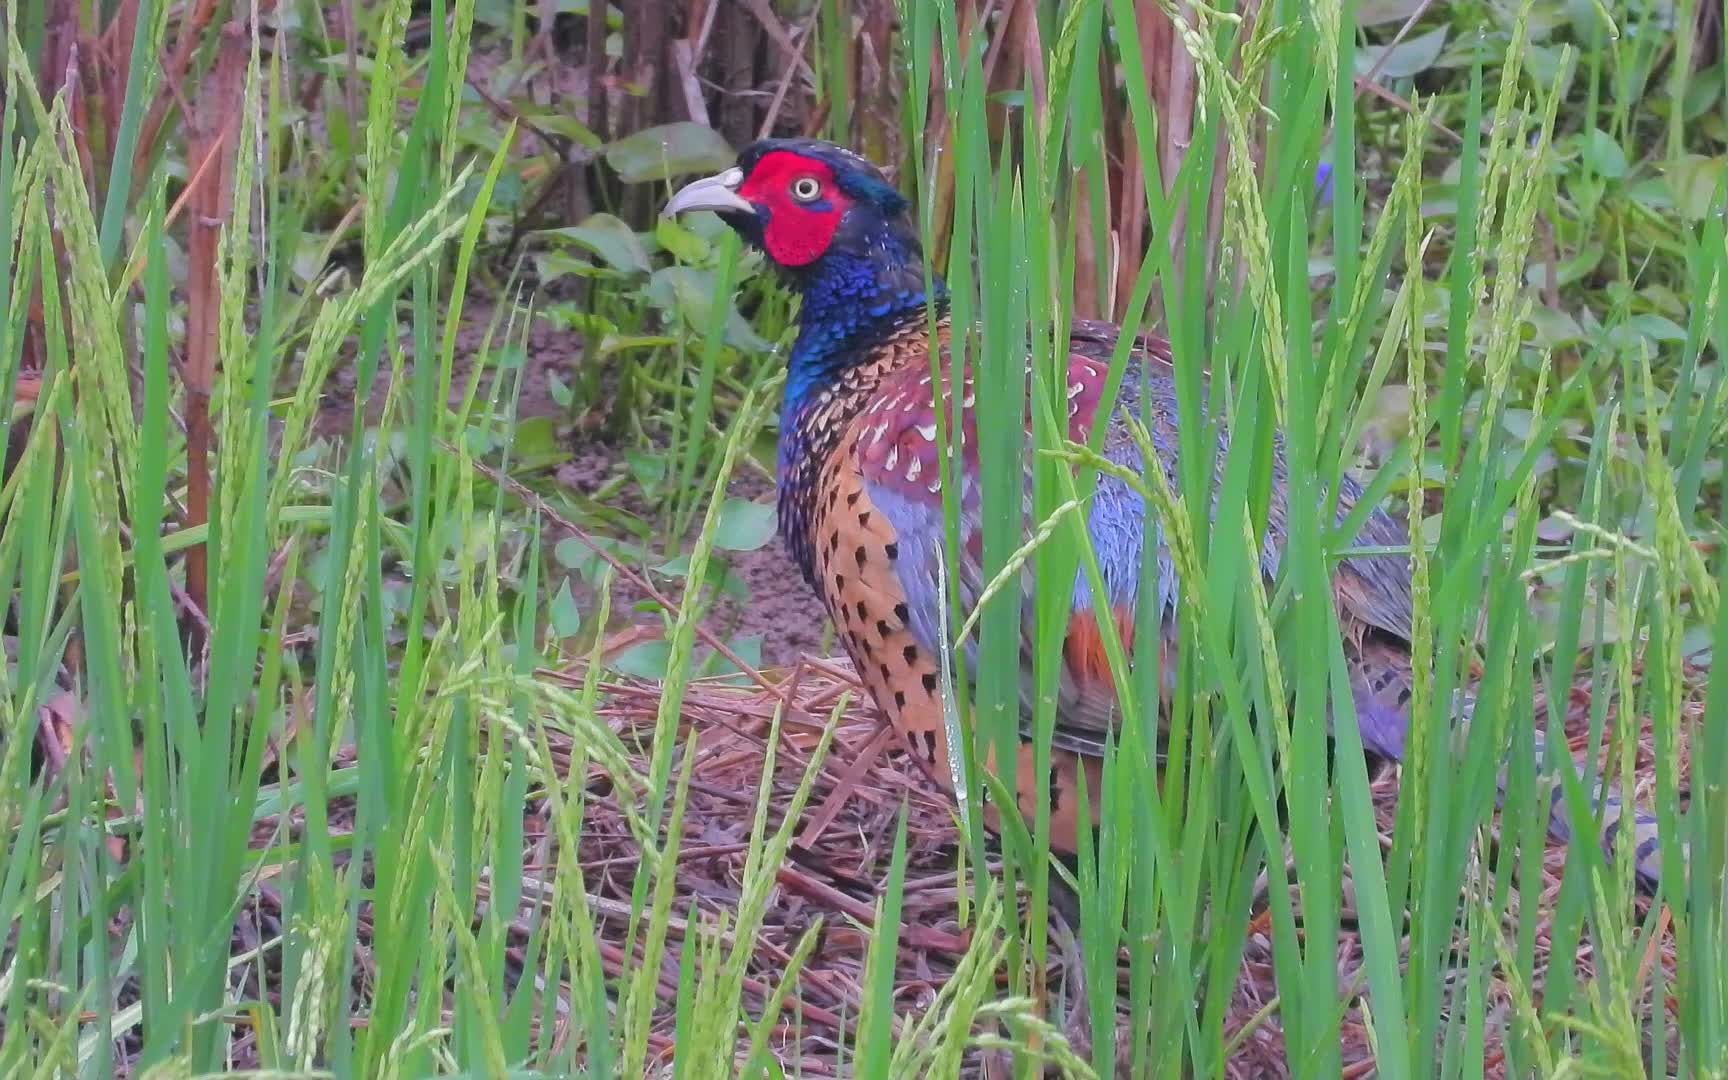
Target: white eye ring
{"points": [[806, 188]]}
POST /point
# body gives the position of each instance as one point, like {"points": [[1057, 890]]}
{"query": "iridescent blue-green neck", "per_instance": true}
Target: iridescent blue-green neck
{"points": [[854, 297], [849, 300]]}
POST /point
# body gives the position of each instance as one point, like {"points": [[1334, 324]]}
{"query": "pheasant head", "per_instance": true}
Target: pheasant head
{"points": [[841, 234]]}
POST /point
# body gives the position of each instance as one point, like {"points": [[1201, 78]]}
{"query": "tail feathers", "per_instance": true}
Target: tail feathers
{"points": [[1381, 684]]}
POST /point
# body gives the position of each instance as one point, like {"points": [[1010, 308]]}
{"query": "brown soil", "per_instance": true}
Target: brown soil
{"points": [[550, 351], [781, 609]]}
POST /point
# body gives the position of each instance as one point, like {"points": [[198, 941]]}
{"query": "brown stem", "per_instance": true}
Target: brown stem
{"points": [[192, 23], [212, 132]]}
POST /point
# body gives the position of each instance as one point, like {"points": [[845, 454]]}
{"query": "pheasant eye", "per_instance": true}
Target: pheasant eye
{"points": [[806, 188]]}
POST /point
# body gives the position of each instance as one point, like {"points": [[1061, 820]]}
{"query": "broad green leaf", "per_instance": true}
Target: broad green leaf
{"points": [[1375, 12], [1412, 56], [644, 661], [1658, 328], [572, 553], [611, 239], [536, 442], [690, 292], [557, 123], [559, 390], [552, 265], [661, 153], [1604, 155], [566, 616], [680, 242], [744, 525], [1692, 181]]}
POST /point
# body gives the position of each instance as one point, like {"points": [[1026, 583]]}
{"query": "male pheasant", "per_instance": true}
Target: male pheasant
{"points": [[860, 506]]}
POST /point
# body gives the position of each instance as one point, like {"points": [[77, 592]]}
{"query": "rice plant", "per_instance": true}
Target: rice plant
{"points": [[313, 761]]}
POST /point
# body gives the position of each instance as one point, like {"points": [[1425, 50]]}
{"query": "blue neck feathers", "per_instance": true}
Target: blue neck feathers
{"points": [[853, 297], [869, 283], [850, 296]]}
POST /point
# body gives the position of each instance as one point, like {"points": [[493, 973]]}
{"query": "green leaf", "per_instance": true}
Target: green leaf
{"points": [[1701, 98], [567, 317], [589, 565], [572, 553], [559, 390], [1693, 180], [565, 615], [680, 242], [690, 291], [1551, 65], [649, 470], [1658, 328], [660, 153], [744, 525], [645, 661], [556, 123], [747, 647], [1411, 56], [707, 226], [611, 239], [1604, 155], [718, 577], [552, 265], [1552, 329], [536, 443], [613, 343], [1375, 12]]}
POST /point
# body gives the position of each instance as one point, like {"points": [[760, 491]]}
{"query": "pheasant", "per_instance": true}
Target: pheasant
{"points": [[860, 506]]}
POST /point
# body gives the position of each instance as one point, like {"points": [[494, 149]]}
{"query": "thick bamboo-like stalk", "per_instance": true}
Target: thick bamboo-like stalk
{"points": [[594, 93], [648, 68], [733, 50]]}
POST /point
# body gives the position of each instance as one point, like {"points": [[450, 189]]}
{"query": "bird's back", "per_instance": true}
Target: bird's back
{"points": [[864, 516], [862, 512]]}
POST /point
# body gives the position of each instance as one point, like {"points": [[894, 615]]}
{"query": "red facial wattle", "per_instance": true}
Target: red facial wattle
{"points": [[798, 231]]}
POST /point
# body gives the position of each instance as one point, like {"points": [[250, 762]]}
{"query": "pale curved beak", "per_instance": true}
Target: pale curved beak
{"points": [[717, 193]]}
